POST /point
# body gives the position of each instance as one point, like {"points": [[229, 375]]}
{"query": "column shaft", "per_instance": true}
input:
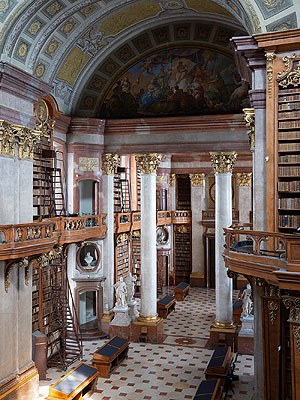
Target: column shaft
{"points": [[223, 219], [148, 245], [108, 243]]}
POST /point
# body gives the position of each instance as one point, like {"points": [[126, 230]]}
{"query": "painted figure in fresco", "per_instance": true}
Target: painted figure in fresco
{"points": [[177, 82]]}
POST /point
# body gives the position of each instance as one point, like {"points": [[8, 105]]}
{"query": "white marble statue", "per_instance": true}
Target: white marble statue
{"points": [[247, 302], [88, 259], [130, 285], [121, 292]]}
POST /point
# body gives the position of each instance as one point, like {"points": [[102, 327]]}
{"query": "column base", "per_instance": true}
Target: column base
{"points": [[105, 321], [145, 329], [23, 386], [223, 334], [197, 279]]}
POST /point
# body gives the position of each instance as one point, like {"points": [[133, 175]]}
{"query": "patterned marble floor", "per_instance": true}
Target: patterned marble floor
{"points": [[172, 370]]}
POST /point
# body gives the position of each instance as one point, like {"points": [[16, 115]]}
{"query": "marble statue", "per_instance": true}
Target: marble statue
{"points": [[130, 285], [247, 302], [121, 292], [88, 259]]}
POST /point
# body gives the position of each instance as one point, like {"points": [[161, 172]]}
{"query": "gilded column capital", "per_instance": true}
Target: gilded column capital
{"points": [[172, 179], [28, 139], [148, 163], [110, 163], [197, 179], [24, 138], [250, 124], [7, 139], [223, 161], [244, 178]]}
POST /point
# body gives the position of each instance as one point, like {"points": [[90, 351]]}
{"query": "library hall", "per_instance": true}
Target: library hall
{"points": [[150, 199]]}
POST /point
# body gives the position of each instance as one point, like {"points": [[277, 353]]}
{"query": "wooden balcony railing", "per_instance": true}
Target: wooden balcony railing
{"points": [[209, 215], [122, 222], [23, 240], [272, 256], [163, 218], [181, 217]]}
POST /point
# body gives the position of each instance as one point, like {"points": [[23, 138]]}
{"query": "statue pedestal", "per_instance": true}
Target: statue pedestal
{"points": [[133, 312], [121, 317], [246, 335]]}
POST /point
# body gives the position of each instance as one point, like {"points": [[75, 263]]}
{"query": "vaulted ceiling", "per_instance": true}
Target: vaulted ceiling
{"points": [[81, 47]]}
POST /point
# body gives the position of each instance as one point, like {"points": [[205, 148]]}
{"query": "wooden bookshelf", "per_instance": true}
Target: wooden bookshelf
{"points": [[43, 279], [182, 254], [183, 192], [41, 187], [122, 256], [288, 148], [136, 259]]}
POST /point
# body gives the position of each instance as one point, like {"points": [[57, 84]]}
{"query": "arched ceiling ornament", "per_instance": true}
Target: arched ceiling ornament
{"points": [[41, 36]]}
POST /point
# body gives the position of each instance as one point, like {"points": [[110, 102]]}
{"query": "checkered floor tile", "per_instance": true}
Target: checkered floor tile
{"points": [[172, 370]]}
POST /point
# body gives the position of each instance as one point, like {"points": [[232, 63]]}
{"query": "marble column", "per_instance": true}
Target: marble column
{"points": [[148, 164], [109, 166], [244, 196], [172, 193], [198, 252], [223, 164], [70, 183]]}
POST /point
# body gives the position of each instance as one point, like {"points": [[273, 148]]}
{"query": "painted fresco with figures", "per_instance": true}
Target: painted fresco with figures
{"points": [[179, 81]]}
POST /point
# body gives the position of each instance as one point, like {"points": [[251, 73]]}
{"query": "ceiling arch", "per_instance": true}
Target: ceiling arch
{"points": [[65, 42]]}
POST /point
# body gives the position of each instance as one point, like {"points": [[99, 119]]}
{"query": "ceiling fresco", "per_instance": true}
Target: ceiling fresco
{"points": [[179, 81], [80, 46]]}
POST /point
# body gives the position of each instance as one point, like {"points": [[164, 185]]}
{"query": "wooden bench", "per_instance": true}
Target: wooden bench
{"points": [[181, 291], [108, 356], [78, 384], [165, 306], [209, 390], [219, 364]]}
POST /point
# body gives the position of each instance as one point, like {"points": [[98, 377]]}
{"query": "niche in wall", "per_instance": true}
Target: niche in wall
{"points": [[88, 201]]}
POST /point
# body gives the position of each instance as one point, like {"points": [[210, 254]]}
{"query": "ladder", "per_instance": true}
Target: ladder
{"points": [[54, 178], [65, 340]]}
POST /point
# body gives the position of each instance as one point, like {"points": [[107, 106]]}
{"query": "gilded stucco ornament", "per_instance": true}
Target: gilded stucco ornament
{"points": [[35, 27], [23, 263], [172, 179], [272, 4], [197, 179], [223, 161], [273, 308], [249, 116], [44, 123], [290, 77], [56, 252], [148, 163], [270, 56], [110, 162], [25, 138], [123, 237], [244, 178], [296, 333]]}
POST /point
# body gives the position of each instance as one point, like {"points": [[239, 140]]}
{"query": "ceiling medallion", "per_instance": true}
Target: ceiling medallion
{"points": [[22, 50], [40, 70], [35, 27], [3, 6]]}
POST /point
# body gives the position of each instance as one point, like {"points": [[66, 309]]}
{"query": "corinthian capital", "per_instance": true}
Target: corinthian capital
{"points": [[244, 178], [250, 124], [223, 161], [148, 163], [110, 163], [197, 179]]}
